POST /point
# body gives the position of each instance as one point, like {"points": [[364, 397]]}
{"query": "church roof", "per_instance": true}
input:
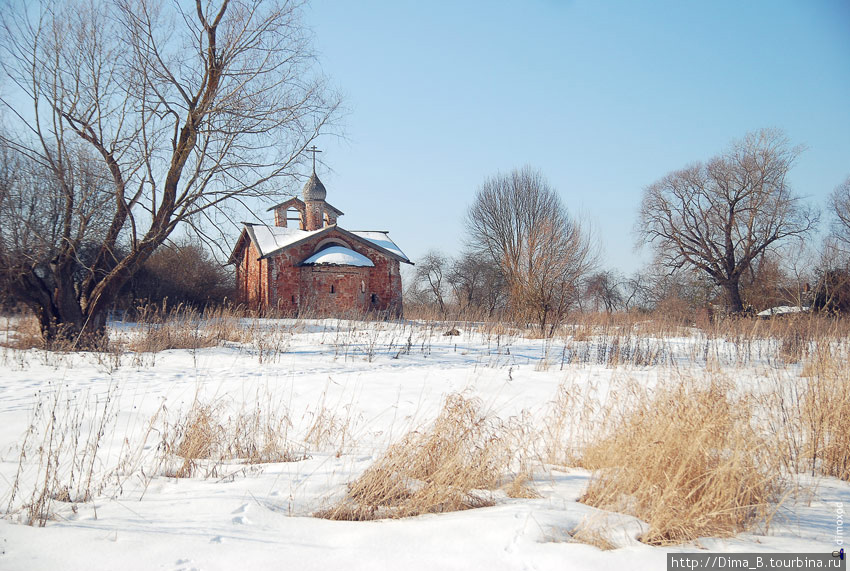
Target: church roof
{"points": [[338, 256], [382, 239], [271, 239]]}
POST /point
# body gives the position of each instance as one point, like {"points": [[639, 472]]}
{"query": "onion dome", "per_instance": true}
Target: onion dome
{"points": [[314, 189]]}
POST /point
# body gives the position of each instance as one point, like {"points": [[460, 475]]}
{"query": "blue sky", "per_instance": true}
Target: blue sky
{"points": [[602, 97]]}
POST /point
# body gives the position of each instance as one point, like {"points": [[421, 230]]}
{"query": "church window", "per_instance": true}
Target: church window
{"points": [[332, 289], [294, 215]]}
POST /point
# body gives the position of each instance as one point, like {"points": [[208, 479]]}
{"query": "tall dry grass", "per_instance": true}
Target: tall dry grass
{"points": [[688, 461], [825, 412], [162, 328], [200, 440]]}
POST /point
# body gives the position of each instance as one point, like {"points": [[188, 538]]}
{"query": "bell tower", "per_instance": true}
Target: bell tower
{"points": [[314, 198]]}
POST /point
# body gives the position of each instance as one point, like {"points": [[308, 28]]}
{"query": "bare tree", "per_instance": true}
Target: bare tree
{"points": [[478, 283], [637, 291], [186, 109], [719, 216], [519, 221], [430, 276], [604, 288], [839, 202]]}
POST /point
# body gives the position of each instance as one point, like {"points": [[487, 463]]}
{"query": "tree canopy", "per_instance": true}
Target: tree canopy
{"points": [[721, 215]]}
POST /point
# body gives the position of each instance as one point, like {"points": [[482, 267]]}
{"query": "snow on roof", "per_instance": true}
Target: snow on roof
{"points": [[271, 238], [339, 256], [383, 240]]}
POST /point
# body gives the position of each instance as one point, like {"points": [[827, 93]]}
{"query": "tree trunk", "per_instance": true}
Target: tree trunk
{"points": [[49, 291], [733, 296], [63, 329]]}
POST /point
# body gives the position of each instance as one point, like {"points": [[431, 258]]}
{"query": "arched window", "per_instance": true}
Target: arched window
{"points": [[328, 242], [332, 289], [294, 215], [362, 286]]}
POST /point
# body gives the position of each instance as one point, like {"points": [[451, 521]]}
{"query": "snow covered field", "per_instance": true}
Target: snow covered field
{"points": [[343, 392]]}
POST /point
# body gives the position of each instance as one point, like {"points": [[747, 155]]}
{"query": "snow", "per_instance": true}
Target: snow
{"points": [[782, 310], [382, 240], [339, 256], [269, 239], [378, 381]]}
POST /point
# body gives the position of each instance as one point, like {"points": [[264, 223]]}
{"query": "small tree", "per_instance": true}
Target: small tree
{"points": [[720, 216], [520, 223], [604, 289], [832, 291], [430, 278], [478, 283]]}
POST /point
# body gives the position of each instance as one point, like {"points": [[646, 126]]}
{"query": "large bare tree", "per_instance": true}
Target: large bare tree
{"points": [[519, 221], [133, 117], [719, 216]]}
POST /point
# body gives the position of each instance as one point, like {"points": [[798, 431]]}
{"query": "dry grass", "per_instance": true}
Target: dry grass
{"points": [[445, 468], [178, 329], [825, 412], [204, 437], [688, 462], [522, 487], [60, 454], [691, 458], [24, 333], [592, 536]]}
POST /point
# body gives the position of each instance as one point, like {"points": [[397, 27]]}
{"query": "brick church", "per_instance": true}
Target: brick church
{"points": [[306, 263]]}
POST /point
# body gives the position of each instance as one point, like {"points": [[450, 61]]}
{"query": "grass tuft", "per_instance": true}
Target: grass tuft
{"points": [[688, 462], [446, 468]]}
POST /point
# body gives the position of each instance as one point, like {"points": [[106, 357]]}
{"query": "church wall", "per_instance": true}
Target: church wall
{"points": [[253, 278], [294, 287], [334, 289]]}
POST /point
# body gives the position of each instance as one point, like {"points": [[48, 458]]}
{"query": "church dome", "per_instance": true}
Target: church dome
{"points": [[314, 189]]}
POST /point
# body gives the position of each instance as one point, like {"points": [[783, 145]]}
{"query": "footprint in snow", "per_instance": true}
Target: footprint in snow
{"points": [[241, 509], [241, 520], [182, 565]]}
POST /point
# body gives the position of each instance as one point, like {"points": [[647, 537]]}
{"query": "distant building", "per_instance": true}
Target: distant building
{"points": [[307, 263]]}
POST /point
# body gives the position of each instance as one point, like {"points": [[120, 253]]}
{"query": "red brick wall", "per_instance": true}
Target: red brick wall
{"points": [[314, 219], [252, 290], [334, 289], [310, 285]]}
